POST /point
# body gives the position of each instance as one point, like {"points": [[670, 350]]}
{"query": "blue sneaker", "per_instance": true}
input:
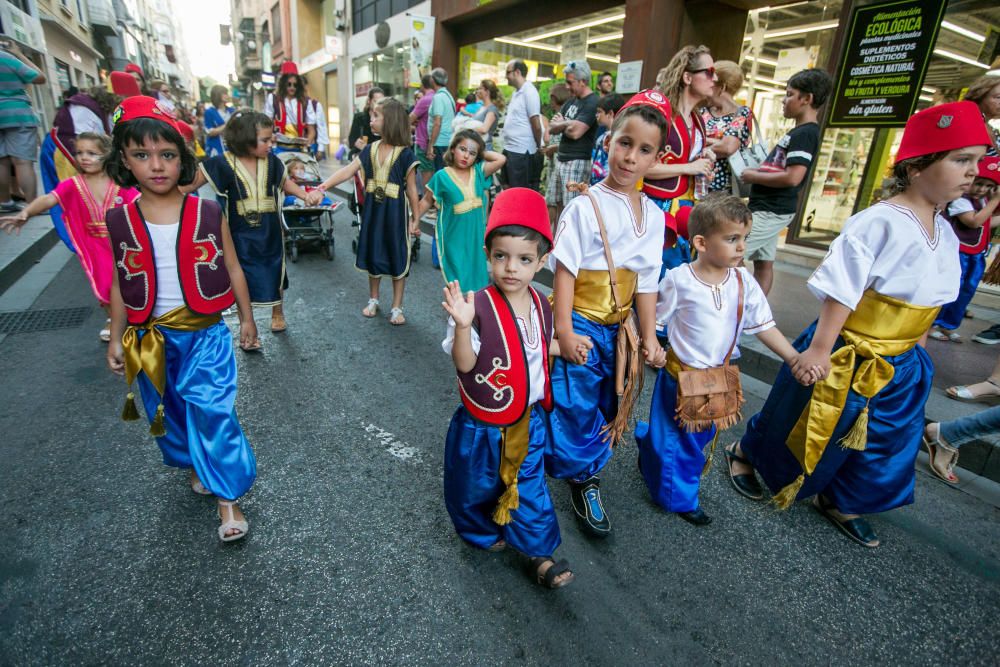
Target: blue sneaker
{"points": [[586, 498]]}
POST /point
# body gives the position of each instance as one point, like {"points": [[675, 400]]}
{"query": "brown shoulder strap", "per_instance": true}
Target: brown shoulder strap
{"points": [[607, 251], [739, 315]]}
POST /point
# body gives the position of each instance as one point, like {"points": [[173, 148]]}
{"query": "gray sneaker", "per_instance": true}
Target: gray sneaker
{"points": [[989, 337]]}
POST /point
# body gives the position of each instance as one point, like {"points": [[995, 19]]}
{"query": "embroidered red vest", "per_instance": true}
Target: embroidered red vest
{"points": [[201, 270], [496, 390], [971, 240], [281, 115], [678, 151]]}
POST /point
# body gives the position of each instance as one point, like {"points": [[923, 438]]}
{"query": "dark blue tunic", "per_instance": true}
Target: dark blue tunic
{"points": [[384, 239]]}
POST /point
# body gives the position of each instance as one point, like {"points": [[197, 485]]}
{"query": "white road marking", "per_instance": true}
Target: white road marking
{"points": [[396, 447]]}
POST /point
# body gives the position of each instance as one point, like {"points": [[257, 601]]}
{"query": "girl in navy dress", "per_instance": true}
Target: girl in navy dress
{"points": [[384, 241]]}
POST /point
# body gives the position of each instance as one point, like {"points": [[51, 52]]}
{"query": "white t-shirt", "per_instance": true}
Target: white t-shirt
{"points": [[85, 120], [960, 206], [168, 286], [524, 105], [886, 248], [701, 318], [636, 244], [291, 110], [534, 348]]}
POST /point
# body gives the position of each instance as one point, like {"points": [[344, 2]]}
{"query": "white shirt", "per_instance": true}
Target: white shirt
{"points": [[523, 106], [701, 318], [291, 110], [636, 244], [85, 120], [168, 286], [960, 206], [534, 348], [322, 134], [886, 248]]}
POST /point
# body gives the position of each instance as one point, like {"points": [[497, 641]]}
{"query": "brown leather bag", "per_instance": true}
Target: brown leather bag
{"points": [[628, 358], [709, 397]]}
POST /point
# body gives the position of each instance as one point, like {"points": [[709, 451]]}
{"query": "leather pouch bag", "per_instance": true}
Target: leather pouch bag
{"points": [[709, 397]]}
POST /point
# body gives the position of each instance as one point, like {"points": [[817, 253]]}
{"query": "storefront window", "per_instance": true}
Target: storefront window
{"points": [[386, 69]]}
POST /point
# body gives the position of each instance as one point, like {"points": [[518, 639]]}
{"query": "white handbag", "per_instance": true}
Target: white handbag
{"points": [[747, 157]]}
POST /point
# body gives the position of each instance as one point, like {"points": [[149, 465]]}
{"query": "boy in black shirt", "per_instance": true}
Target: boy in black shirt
{"points": [[776, 184]]}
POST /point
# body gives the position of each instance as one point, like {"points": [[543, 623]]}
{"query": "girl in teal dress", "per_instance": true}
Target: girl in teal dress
{"points": [[460, 192]]}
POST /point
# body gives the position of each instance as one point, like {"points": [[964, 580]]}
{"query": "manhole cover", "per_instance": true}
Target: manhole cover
{"points": [[27, 321]]}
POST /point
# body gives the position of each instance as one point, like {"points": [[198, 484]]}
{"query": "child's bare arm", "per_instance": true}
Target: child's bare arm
{"points": [[248, 328], [199, 180], [341, 174], [13, 223], [976, 220], [645, 306], [115, 354], [290, 187], [790, 177], [414, 199], [425, 204], [572, 346], [832, 316], [462, 309], [493, 162]]}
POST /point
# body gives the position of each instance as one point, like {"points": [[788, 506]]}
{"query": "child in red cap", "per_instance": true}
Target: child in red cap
{"points": [[500, 339], [969, 216], [852, 439], [176, 270]]}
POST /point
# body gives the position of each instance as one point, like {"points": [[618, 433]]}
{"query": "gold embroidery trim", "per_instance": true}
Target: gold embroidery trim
{"points": [[379, 183], [255, 201], [470, 201]]}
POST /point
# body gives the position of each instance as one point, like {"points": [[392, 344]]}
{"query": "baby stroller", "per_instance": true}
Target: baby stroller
{"points": [[307, 226], [355, 200]]}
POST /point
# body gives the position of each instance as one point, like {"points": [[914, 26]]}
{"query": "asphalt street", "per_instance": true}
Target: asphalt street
{"points": [[107, 557]]}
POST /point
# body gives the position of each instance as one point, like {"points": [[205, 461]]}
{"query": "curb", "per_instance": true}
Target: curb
{"points": [[27, 258]]}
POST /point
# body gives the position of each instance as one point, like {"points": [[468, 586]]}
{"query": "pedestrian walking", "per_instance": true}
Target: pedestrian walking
{"points": [[851, 440], [85, 200], [254, 182], [614, 231], [215, 119], [384, 239], [943, 440], [492, 104], [18, 125], [439, 118], [705, 306], [776, 183], [494, 470], [176, 271], [576, 121], [727, 124], [522, 130], [418, 120], [361, 133]]}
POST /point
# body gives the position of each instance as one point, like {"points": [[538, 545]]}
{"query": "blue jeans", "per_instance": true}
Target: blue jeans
{"points": [[960, 431]]}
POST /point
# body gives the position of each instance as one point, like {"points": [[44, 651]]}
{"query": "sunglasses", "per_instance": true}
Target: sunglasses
{"points": [[707, 70]]}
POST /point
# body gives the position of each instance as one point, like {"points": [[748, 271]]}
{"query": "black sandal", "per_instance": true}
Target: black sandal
{"points": [[859, 530], [746, 484], [532, 566]]}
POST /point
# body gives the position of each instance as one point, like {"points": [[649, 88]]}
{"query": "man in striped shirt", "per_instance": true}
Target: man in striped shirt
{"points": [[18, 124]]}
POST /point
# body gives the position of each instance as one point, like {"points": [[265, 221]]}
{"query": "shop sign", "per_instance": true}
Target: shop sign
{"points": [[574, 46], [885, 58], [361, 89], [793, 61], [629, 77], [421, 48]]}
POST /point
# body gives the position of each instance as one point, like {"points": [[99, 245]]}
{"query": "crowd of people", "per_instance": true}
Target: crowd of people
{"points": [[645, 228]]}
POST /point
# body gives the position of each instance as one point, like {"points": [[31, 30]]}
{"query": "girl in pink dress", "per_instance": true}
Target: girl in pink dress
{"points": [[85, 198]]}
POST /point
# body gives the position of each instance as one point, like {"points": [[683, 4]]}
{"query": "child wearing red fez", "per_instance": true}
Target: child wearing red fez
{"points": [[500, 339], [176, 270], [852, 438], [970, 216], [613, 231]]}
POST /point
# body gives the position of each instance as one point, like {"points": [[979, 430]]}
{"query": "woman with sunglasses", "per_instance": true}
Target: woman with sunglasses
{"points": [[687, 81], [294, 118]]}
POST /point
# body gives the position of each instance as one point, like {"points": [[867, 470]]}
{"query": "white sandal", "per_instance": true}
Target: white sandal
{"points": [[396, 317], [231, 523], [199, 488], [372, 308], [105, 334], [937, 447]]}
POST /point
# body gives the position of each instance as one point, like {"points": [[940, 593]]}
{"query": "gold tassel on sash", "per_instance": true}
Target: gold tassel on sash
{"points": [[513, 451], [148, 355], [880, 326]]}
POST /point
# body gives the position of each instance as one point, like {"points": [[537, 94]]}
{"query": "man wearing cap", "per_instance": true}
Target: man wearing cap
{"points": [[294, 118], [577, 123], [522, 130]]}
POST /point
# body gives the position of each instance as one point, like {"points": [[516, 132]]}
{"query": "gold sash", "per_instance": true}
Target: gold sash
{"points": [[880, 326], [592, 295], [148, 355], [514, 441]]}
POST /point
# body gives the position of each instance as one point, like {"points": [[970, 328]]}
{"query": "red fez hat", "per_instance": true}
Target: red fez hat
{"points": [[289, 67], [123, 84], [132, 67], [520, 206], [652, 98], [142, 106], [989, 167], [945, 127], [681, 217]]}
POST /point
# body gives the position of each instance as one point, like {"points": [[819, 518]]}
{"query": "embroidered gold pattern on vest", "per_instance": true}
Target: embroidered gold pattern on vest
{"points": [[378, 185]]}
